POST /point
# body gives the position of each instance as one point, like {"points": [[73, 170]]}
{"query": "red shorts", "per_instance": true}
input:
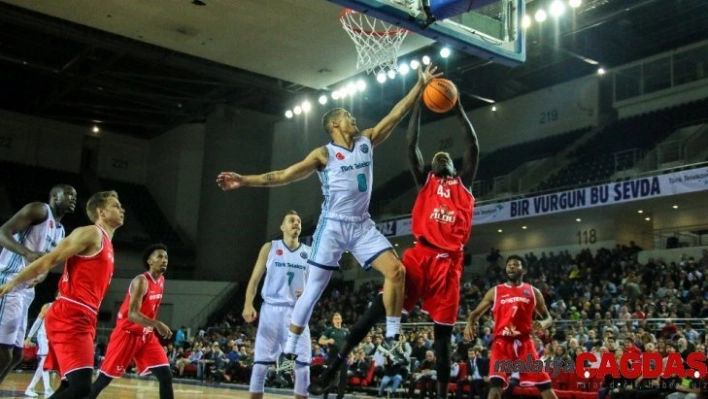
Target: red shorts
{"points": [[125, 346], [434, 276], [515, 349], [71, 329]]}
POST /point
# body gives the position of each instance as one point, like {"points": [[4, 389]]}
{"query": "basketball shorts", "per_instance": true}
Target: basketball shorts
{"points": [[272, 333], [125, 346], [433, 276], [336, 234], [42, 345], [515, 349], [71, 329], [14, 308]]}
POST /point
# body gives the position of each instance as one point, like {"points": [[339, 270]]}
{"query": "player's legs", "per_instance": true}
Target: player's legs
{"points": [[542, 380], [302, 364], [78, 385], [269, 338], [442, 349], [149, 358], [35, 379], [500, 351], [164, 378], [372, 249], [11, 331], [327, 248], [327, 380]]}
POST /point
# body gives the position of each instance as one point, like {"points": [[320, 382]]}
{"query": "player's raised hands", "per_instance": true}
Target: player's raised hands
{"points": [[249, 313], [425, 76], [229, 180]]}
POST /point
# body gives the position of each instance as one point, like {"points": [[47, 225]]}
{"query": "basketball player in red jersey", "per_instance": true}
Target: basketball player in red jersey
{"points": [[441, 224], [133, 337], [71, 321], [513, 305]]}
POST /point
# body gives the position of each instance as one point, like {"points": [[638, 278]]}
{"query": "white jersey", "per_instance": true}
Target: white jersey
{"points": [[347, 179], [285, 273], [42, 237]]}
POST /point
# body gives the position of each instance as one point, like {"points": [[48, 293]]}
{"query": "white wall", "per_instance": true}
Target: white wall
{"points": [[174, 175], [122, 158]]}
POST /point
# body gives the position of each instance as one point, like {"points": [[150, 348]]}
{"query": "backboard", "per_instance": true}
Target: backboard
{"points": [[490, 29]]}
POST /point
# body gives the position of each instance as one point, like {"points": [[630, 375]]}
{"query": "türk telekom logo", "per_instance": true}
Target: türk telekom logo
{"points": [[631, 365]]}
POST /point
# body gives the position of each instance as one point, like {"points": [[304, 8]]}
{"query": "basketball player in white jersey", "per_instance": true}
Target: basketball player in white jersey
{"points": [[345, 168], [33, 231], [285, 264], [43, 347]]}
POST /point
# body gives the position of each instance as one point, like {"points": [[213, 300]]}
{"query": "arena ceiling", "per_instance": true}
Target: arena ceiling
{"points": [[143, 67]]}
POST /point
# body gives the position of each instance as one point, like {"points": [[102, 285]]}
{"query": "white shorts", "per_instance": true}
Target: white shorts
{"points": [[333, 236], [14, 308], [272, 333], [42, 345]]}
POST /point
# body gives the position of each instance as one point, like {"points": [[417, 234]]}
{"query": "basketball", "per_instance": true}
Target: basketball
{"points": [[440, 95]]}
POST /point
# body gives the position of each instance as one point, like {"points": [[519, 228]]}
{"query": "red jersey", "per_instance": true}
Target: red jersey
{"points": [[86, 278], [513, 310], [151, 302], [442, 214]]}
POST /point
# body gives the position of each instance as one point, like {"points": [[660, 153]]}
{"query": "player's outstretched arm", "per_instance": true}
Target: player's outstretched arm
{"points": [[542, 311], [37, 323], [249, 312], [415, 157], [82, 241], [29, 215], [470, 160], [138, 290], [483, 307], [315, 160], [383, 129]]}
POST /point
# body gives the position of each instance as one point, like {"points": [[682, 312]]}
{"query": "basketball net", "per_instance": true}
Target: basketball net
{"points": [[377, 42]]}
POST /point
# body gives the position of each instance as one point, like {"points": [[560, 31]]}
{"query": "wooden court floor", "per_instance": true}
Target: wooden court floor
{"points": [[137, 388]]}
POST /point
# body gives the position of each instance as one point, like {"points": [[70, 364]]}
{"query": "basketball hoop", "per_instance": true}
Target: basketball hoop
{"points": [[376, 41]]}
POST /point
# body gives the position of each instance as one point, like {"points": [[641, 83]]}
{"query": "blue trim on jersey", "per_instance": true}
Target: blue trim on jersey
{"points": [[299, 363], [345, 148], [15, 258], [367, 264], [318, 234], [288, 248], [263, 362], [4, 279], [309, 262], [324, 176]]}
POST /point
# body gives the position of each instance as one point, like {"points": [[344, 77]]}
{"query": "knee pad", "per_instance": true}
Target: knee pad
{"points": [[302, 379], [258, 377]]}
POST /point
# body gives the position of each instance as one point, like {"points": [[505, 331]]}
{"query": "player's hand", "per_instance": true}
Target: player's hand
{"points": [[33, 256], [229, 180], [5, 289], [28, 343], [470, 330], [163, 330], [425, 76], [249, 313], [298, 293], [537, 326]]}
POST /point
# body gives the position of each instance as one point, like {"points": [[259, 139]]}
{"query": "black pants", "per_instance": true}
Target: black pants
{"points": [[342, 385]]}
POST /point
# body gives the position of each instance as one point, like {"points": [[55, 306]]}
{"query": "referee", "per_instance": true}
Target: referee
{"points": [[332, 339]]}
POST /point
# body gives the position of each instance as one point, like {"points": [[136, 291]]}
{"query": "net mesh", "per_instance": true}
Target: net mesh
{"points": [[377, 42]]}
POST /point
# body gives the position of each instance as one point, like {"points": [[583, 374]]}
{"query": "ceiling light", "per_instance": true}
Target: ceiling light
{"points": [[381, 77], [445, 52], [494, 108], [361, 85], [415, 64], [426, 60], [525, 21], [391, 74], [578, 220], [524, 227], [557, 8], [323, 99], [343, 92], [403, 69], [351, 88], [540, 16], [640, 211], [95, 129], [297, 110], [499, 231], [306, 106], [675, 207], [647, 219], [335, 95], [288, 114], [601, 71], [574, 3]]}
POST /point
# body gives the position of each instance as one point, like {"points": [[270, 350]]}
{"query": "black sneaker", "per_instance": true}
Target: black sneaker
{"points": [[325, 383]]}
